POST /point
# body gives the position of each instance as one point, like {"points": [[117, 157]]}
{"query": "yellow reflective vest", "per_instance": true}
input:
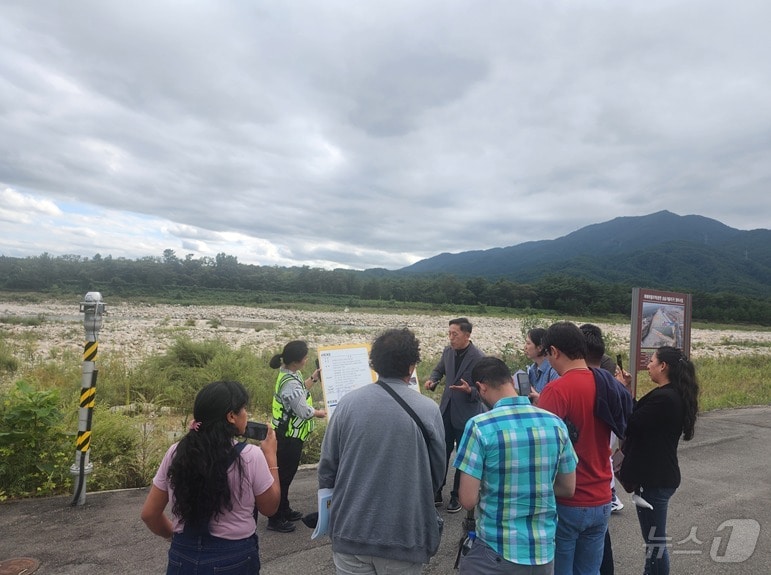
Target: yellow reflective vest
{"points": [[285, 421]]}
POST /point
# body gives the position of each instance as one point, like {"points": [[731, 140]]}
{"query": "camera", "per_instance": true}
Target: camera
{"points": [[256, 431]]}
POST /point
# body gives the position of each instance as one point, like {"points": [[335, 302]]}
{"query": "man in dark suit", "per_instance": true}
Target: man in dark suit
{"points": [[460, 399]]}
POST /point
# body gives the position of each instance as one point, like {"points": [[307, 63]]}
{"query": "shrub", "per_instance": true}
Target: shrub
{"points": [[175, 378], [115, 381], [125, 451], [35, 451], [179, 374]]}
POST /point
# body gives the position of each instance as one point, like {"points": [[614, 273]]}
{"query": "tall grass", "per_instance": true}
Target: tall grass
{"points": [[725, 383], [740, 381], [8, 361], [39, 319]]}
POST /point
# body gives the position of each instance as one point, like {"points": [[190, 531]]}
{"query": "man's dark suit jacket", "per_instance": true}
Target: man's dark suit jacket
{"points": [[462, 405]]}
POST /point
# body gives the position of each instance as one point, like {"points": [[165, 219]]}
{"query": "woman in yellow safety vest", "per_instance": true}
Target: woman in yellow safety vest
{"points": [[293, 414]]}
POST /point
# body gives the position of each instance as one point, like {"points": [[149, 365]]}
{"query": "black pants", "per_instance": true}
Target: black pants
{"points": [[288, 453], [607, 568], [452, 437]]}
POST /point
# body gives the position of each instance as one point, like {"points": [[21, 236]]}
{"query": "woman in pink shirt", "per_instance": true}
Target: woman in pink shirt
{"points": [[215, 485]]}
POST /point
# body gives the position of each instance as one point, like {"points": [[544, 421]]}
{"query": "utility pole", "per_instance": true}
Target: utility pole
{"points": [[93, 308]]}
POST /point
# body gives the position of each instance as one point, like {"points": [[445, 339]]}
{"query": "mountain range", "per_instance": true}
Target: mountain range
{"points": [[662, 250]]}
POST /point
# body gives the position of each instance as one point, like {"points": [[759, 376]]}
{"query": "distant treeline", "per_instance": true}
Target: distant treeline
{"points": [[222, 279]]}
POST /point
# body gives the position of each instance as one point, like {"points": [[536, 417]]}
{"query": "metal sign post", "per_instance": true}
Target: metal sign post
{"points": [[93, 308]]}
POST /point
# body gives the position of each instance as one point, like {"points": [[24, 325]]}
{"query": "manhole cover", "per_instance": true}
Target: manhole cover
{"points": [[19, 566]]}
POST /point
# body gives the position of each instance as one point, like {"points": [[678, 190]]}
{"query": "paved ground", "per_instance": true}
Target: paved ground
{"points": [[725, 498]]}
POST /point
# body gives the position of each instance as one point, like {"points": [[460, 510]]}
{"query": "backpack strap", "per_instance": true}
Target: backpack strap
{"points": [[239, 447]]}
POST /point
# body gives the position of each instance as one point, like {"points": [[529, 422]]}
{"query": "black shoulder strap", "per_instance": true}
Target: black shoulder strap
{"points": [[239, 447], [408, 409]]}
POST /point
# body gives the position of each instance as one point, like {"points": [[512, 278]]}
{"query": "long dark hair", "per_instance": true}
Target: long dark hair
{"points": [[682, 376], [198, 473], [292, 352]]}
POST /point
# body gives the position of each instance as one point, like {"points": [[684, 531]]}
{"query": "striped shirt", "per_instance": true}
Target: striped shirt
{"points": [[516, 451]]}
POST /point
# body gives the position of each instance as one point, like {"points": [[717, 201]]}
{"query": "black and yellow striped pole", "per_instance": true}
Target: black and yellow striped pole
{"points": [[93, 308]]}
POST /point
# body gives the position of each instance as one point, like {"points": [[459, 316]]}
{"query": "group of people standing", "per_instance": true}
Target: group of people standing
{"points": [[535, 470]]}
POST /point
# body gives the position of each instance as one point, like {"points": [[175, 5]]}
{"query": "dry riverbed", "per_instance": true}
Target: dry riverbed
{"points": [[134, 331]]}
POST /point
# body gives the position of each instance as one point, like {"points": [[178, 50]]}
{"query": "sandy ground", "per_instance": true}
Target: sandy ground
{"points": [[134, 331]]}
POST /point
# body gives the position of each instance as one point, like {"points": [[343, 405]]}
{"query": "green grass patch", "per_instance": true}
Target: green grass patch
{"points": [[745, 343], [29, 321], [735, 382], [726, 382], [725, 326]]}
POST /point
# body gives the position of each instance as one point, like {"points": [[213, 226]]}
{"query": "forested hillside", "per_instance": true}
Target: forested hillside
{"points": [[662, 250], [223, 279]]}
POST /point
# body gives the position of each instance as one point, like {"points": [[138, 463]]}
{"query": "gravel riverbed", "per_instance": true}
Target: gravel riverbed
{"points": [[133, 331]]}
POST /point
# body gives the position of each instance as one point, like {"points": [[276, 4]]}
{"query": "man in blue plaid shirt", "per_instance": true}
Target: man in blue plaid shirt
{"points": [[514, 459]]}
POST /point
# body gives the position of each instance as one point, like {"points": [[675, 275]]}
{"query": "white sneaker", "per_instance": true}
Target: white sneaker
{"points": [[616, 505]]}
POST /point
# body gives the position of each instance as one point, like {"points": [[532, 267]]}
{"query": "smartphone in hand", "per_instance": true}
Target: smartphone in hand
{"points": [[256, 431], [523, 384]]}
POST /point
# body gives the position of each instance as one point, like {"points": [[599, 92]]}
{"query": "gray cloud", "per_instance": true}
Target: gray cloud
{"points": [[340, 134]]}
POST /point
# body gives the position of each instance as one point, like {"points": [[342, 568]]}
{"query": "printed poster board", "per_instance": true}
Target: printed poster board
{"points": [[658, 318], [345, 368]]}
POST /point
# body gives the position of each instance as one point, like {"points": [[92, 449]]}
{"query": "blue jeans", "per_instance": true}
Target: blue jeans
{"points": [[207, 555], [580, 539], [653, 524]]}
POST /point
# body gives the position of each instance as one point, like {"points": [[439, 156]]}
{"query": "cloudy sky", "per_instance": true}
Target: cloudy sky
{"points": [[373, 134]]}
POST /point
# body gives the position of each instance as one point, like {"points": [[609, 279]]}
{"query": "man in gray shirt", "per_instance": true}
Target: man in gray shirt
{"points": [[383, 471]]}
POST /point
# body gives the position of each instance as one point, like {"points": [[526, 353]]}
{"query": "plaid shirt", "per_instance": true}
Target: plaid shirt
{"points": [[516, 451]]}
